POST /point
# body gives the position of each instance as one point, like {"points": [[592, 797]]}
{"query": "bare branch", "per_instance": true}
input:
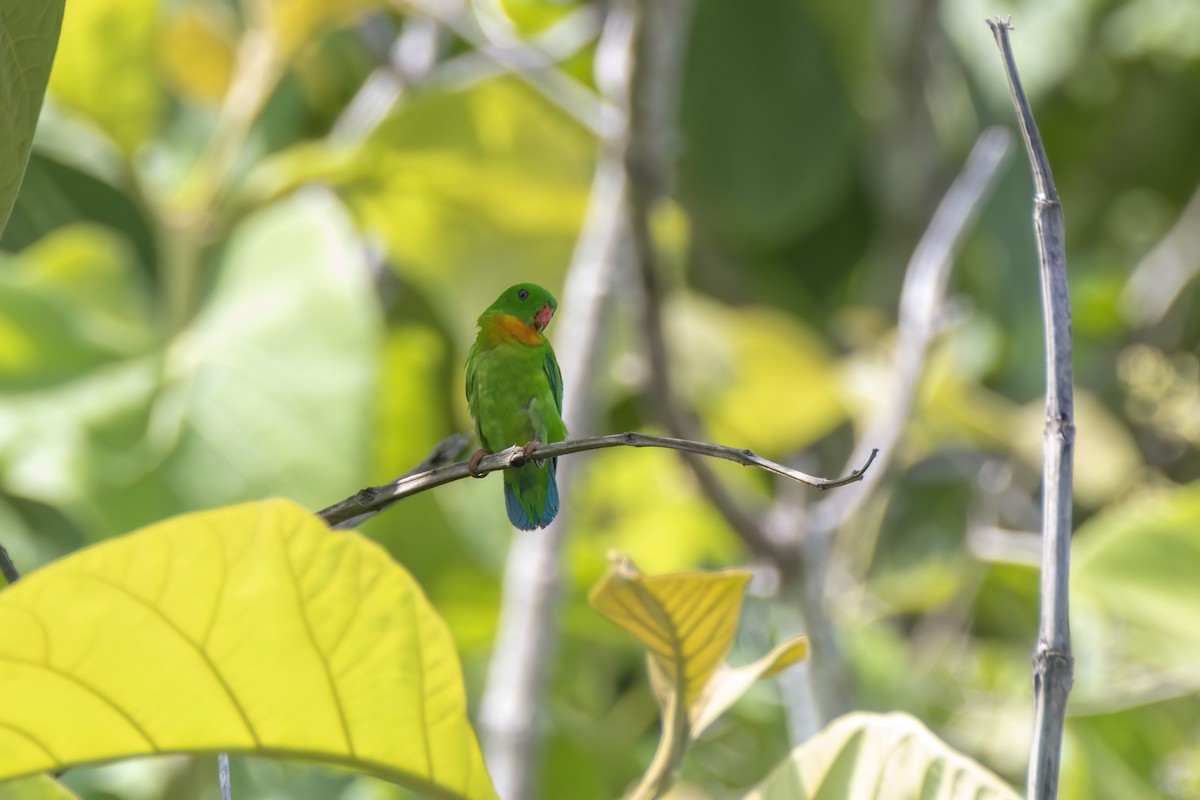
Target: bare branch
{"points": [[443, 453], [534, 67], [371, 500], [922, 308], [1053, 664]]}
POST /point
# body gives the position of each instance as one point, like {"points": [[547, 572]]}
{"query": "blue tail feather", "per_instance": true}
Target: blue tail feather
{"points": [[518, 515]]}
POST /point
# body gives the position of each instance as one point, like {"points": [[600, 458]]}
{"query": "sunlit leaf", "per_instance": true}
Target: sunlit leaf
{"points": [[105, 68], [251, 629], [198, 52], [685, 621], [453, 180], [1134, 576], [273, 384], [38, 787], [879, 757], [728, 683], [28, 36], [760, 377]]}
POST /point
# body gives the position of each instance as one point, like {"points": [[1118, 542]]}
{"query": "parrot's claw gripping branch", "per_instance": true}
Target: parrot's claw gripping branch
{"points": [[375, 498]]}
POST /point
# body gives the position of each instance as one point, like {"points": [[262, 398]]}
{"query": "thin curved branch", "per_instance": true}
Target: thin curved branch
{"points": [[373, 498]]}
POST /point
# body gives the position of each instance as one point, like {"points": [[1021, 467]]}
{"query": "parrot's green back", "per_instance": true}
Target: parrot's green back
{"points": [[514, 390]]}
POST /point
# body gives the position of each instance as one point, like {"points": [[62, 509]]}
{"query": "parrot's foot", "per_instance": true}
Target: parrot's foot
{"points": [[529, 448], [473, 462]]}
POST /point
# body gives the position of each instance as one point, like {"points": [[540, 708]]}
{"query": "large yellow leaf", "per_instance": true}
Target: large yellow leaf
{"points": [[251, 629], [879, 757]]}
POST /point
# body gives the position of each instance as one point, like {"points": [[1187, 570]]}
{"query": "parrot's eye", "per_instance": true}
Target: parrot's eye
{"points": [[523, 294]]}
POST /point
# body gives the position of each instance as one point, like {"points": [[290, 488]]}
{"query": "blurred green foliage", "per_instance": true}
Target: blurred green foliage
{"points": [[221, 282]]}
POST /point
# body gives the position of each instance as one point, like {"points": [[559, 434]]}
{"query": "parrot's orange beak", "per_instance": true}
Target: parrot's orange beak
{"points": [[542, 318]]}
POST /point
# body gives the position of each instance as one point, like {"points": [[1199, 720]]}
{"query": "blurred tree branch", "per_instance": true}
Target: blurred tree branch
{"points": [[1053, 664]]}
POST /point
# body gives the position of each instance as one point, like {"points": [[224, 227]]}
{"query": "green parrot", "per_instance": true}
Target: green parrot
{"points": [[514, 391]]}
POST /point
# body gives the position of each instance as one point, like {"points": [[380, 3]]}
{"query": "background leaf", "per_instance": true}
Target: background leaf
{"points": [[879, 757], [251, 629], [28, 36]]}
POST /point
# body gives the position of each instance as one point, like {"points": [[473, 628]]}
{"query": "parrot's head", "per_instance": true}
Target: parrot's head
{"points": [[528, 302]]}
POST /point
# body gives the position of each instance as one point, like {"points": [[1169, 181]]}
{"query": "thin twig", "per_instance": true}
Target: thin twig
{"points": [[443, 453], [1053, 664], [374, 498], [7, 568]]}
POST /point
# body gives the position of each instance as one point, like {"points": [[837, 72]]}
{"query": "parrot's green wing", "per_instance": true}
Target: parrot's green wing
{"points": [[554, 375]]}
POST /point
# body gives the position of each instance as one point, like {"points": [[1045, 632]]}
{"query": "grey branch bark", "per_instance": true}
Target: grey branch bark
{"points": [[373, 499], [1053, 664], [921, 318]]}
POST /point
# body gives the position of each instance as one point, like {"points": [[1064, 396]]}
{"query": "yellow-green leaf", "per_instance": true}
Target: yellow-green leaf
{"points": [[38, 787], [729, 683], [686, 621], [105, 68], [251, 629], [198, 52], [879, 757], [28, 36]]}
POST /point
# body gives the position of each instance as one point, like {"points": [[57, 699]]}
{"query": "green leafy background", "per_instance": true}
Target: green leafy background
{"points": [[180, 330]]}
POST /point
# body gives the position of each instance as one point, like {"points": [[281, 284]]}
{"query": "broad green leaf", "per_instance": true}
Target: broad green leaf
{"points": [[879, 757], [768, 124], [270, 391], [273, 383], [38, 787], [105, 68], [686, 621], [251, 629], [1136, 597], [451, 180], [28, 36]]}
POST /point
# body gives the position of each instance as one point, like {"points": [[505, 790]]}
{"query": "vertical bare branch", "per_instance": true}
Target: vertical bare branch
{"points": [[1053, 664], [528, 629]]}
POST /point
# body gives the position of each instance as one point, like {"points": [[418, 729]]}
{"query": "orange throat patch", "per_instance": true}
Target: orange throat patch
{"points": [[505, 327]]}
